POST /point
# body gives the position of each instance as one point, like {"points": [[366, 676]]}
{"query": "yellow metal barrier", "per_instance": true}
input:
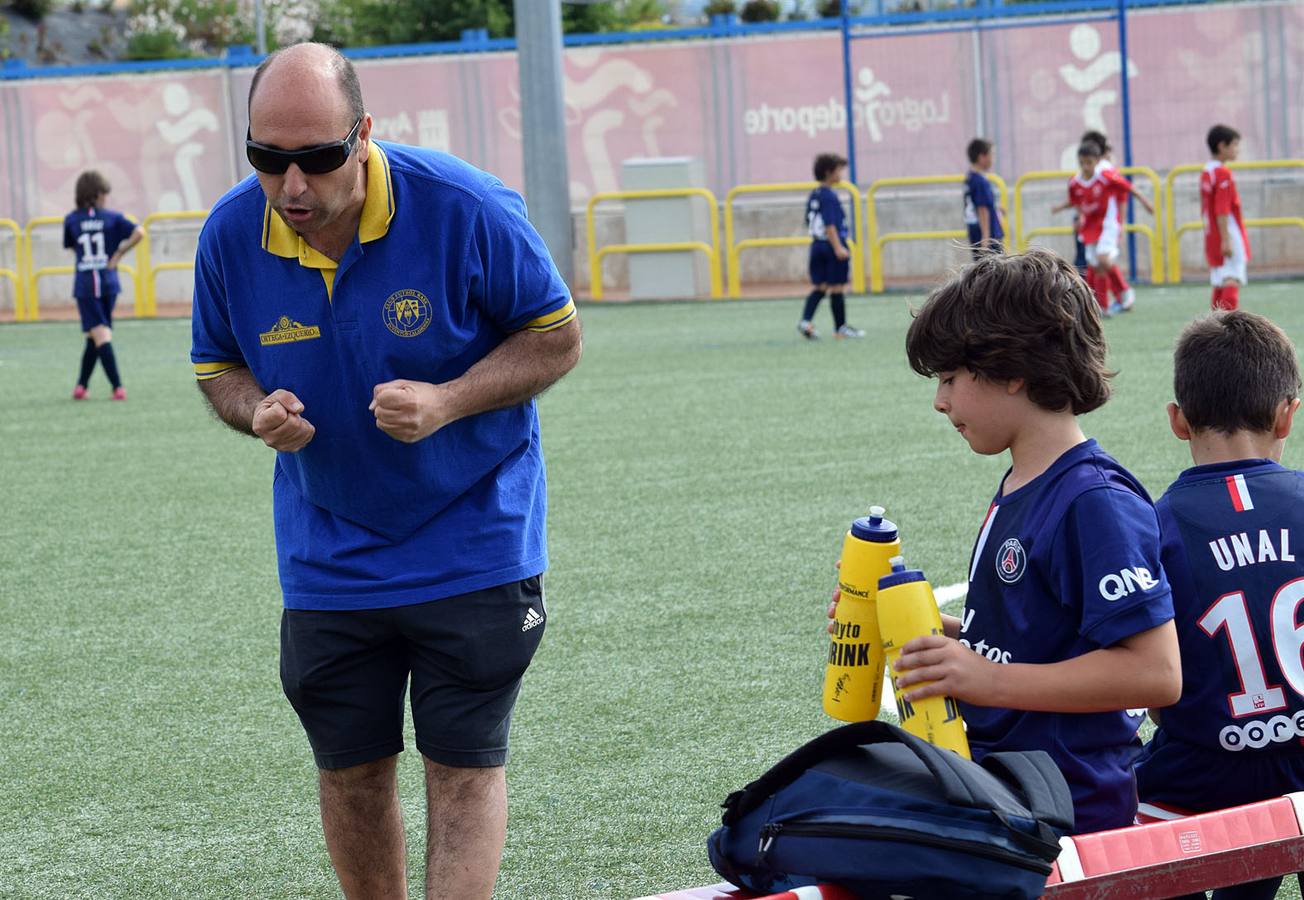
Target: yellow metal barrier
{"points": [[1154, 235], [876, 241], [34, 275], [15, 275], [733, 251], [712, 251], [1175, 231], [1175, 261], [145, 252], [34, 308]]}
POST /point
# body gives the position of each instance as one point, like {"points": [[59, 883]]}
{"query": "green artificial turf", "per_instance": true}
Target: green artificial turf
{"points": [[703, 463]]}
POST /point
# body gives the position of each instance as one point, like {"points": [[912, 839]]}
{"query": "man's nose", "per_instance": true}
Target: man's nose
{"points": [[295, 182]]}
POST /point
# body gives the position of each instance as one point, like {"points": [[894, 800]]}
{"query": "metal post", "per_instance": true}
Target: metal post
{"points": [[260, 25], [1127, 134], [847, 93], [543, 127]]}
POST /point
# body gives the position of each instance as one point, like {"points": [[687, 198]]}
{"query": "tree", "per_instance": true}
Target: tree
{"points": [[831, 9], [592, 18], [589, 18], [760, 11], [36, 10], [363, 23], [170, 29]]}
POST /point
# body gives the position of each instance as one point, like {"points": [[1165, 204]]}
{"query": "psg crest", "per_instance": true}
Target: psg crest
{"points": [[1011, 561]]}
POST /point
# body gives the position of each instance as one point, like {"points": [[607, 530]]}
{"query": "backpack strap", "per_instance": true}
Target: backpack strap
{"points": [[1045, 843], [958, 787], [1034, 774]]}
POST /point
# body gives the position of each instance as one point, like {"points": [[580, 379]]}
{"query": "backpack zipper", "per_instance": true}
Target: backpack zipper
{"points": [[772, 830]]}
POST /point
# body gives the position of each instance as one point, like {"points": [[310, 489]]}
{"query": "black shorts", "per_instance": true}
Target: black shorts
{"points": [[346, 673], [825, 267], [96, 310]]}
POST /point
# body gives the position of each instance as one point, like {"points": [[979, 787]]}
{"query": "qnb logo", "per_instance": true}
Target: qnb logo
{"points": [[1258, 734], [1117, 586]]}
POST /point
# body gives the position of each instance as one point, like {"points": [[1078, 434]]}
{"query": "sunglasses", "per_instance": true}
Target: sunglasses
{"points": [[316, 160]]}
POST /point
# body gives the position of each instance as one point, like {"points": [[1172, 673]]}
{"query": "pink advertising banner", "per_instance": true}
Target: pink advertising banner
{"points": [[163, 142], [753, 109]]}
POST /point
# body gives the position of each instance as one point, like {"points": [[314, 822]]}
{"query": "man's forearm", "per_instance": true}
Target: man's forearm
{"points": [[233, 396], [523, 366]]}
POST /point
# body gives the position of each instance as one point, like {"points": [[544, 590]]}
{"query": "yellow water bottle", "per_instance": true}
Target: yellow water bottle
{"points": [[853, 678], [907, 610]]}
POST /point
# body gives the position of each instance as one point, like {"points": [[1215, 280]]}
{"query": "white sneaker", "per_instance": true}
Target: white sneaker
{"points": [[846, 331], [807, 330], [1128, 300], [1114, 309]]}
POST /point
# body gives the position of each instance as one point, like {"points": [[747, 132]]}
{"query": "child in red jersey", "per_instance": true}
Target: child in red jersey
{"points": [[1099, 194], [1226, 245]]}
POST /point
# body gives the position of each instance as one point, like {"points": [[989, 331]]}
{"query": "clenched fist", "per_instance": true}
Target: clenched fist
{"points": [[408, 410], [278, 420]]}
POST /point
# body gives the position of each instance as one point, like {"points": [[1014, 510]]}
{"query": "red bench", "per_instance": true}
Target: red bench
{"points": [[1162, 858], [729, 892]]}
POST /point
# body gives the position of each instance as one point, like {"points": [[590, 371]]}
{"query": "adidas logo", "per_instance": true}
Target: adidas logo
{"points": [[532, 618]]}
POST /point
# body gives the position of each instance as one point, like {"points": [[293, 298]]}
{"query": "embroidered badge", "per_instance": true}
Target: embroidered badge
{"points": [[407, 313], [286, 330], [1011, 561]]}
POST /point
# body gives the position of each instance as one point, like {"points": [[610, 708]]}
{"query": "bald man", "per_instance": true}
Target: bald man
{"points": [[382, 316]]}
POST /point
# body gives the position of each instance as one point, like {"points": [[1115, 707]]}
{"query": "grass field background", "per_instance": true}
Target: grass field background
{"points": [[703, 463]]}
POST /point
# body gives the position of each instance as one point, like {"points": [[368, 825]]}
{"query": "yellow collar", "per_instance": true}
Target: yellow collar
{"points": [[377, 212]]}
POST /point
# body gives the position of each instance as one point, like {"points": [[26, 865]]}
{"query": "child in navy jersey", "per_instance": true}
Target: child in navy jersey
{"points": [[1068, 621], [1233, 537], [982, 216], [829, 267], [98, 237]]}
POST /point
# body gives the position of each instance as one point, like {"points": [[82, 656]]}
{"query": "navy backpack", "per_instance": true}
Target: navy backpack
{"points": [[884, 814]]}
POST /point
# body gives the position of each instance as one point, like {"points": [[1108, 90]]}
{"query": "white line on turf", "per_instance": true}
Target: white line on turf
{"points": [[949, 592]]}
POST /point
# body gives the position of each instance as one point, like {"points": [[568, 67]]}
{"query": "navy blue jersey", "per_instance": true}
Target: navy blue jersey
{"points": [[94, 235], [1231, 537], [978, 194], [1067, 564], [823, 209]]}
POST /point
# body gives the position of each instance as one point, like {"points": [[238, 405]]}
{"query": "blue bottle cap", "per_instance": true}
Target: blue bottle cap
{"points": [[899, 574], [874, 527]]}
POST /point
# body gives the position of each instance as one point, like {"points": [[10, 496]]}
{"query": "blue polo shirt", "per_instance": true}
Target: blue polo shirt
{"points": [[444, 267], [1067, 564]]}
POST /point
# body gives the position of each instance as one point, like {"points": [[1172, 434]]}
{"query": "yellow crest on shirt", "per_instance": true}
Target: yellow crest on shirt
{"points": [[407, 313], [287, 330]]}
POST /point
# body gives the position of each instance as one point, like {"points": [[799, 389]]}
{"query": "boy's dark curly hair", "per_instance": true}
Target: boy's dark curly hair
{"points": [[1029, 316]]}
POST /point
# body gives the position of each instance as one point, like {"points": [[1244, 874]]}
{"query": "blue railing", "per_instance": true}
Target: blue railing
{"points": [[478, 40]]}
